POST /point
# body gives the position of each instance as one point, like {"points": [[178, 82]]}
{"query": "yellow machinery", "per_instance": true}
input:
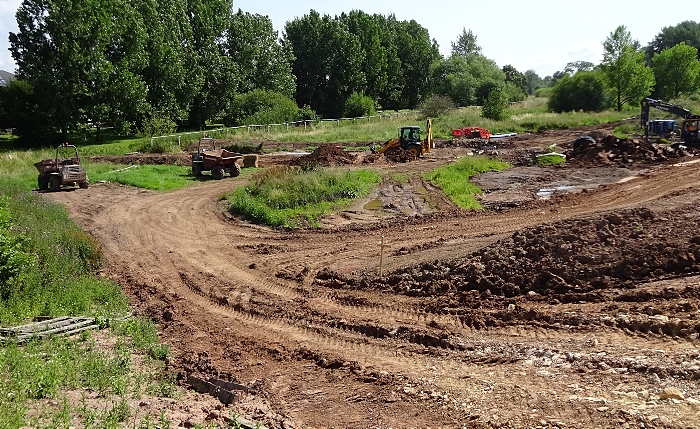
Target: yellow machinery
{"points": [[409, 140]]}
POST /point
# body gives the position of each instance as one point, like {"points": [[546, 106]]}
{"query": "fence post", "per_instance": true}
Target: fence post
{"points": [[179, 144]]}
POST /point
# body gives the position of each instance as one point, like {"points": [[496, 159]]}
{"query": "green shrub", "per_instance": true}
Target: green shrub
{"points": [[584, 91], [358, 105], [437, 105], [260, 107], [495, 105], [543, 92]]}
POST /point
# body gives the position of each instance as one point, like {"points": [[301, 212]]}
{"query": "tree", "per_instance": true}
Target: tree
{"points": [[328, 62], [171, 60], [676, 70], [467, 82], [466, 45], [623, 65], [687, 32], [262, 62], [585, 91], [83, 57], [358, 105], [576, 66], [534, 81], [261, 107], [375, 62], [213, 70], [516, 78]]}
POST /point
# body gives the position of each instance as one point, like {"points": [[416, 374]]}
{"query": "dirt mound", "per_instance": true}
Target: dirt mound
{"points": [[611, 150], [327, 155], [567, 260], [398, 155], [145, 158]]}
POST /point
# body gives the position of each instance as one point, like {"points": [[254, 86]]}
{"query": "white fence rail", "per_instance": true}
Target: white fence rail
{"points": [[268, 127]]}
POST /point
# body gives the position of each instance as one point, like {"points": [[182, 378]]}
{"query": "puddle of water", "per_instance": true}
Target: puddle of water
{"points": [[374, 205], [420, 189], [547, 192], [407, 211]]}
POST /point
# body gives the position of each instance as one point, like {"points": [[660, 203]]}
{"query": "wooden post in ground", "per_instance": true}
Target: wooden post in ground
{"points": [[381, 259]]}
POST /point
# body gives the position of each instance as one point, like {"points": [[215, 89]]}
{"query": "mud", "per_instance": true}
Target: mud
{"points": [[577, 309]]}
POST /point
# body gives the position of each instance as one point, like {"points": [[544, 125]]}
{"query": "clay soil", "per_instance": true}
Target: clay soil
{"points": [[571, 301]]}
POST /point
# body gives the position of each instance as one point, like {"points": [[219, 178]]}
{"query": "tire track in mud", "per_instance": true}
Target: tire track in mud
{"points": [[174, 239]]}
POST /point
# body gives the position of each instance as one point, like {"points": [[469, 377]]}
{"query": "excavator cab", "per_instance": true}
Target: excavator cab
{"points": [[689, 133], [410, 134]]}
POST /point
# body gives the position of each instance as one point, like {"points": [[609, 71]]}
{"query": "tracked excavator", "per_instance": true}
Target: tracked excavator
{"points": [[409, 140], [688, 128]]}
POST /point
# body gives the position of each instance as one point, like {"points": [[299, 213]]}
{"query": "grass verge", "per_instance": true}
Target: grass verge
{"points": [[453, 179], [292, 197]]}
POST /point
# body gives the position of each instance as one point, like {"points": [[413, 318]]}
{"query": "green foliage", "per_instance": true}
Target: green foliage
{"points": [[261, 107], [453, 179], [547, 160], [467, 81], [495, 105], [543, 92], [375, 61], [466, 45], [436, 105], [58, 259], [262, 62], [677, 71], [358, 105], [687, 32], [291, 197], [144, 337], [156, 124], [534, 81], [155, 146], [623, 65], [516, 78], [584, 91]]}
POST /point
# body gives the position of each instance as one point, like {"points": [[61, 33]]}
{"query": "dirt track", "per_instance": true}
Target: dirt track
{"points": [[576, 311]]}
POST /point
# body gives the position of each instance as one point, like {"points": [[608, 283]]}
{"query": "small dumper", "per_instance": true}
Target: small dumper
{"points": [[217, 160], [54, 173]]}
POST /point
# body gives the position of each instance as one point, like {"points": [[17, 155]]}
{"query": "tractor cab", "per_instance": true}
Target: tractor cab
{"points": [[410, 135], [689, 132]]}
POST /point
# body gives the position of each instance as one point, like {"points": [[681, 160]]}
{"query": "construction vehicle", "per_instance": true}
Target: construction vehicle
{"points": [[667, 128], [409, 140], [54, 173], [212, 157]]}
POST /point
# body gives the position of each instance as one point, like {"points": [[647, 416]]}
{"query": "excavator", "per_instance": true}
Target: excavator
{"points": [[410, 141], [689, 127]]}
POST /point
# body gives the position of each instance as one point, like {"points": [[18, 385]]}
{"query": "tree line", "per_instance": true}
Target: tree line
{"points": [[148, 66]]}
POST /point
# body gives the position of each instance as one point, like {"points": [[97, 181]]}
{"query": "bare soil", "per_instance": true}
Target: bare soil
{"points": [[572, 300]]}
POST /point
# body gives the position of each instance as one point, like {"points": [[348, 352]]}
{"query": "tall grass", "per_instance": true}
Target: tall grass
{"points": [[293, 197], [453, 179], [51, 263]]}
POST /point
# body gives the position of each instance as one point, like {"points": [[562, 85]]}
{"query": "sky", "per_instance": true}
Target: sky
{"points": [[542, 35]]}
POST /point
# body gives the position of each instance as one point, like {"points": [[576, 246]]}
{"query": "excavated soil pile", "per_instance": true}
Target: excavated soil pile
{"points": [[328, 156], [146, 158], [611, 150], [568, 261], [398, 155]]}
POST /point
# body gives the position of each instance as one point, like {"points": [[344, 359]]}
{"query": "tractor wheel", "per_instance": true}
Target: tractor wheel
{"points": [[55, 183], [196, 169], [217, 172], [83, 185], [235, 170], [414, 150]]}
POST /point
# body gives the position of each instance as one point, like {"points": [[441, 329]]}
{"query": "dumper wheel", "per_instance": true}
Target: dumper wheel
{"points": [[55, 183], [414, 150], [217, 172], [83, 185], [235, 170], [584, 142], [43, 183]]}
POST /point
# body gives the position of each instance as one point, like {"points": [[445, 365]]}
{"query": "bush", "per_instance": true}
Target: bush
{"points": [[358, 105], [543, 92], [260, 107], [584, 91], [495, 105], [436, 105]]}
